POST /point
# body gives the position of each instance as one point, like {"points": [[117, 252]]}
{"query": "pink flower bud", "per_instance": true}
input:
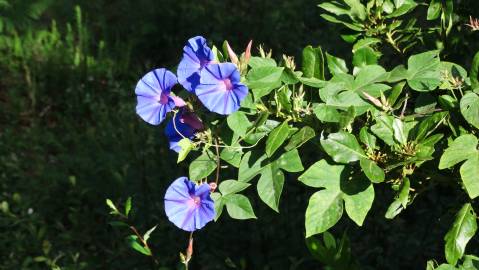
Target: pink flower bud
{"points": [[374, 100], [189, 250], [247, 52], [213, 186]]}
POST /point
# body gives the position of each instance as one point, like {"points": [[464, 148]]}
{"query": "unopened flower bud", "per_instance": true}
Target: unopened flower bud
{"points": [[247, 52], [233, 57], [189, 250], [213, 186], [374, 100]]}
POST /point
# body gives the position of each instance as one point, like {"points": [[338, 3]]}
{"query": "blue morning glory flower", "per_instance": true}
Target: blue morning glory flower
{"points": [[220, 89], [153, 95], [186, 125], [196, 54], [188, 205]]}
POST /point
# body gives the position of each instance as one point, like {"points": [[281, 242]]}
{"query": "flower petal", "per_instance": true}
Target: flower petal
{"points": [[151, 110], [153, 98], [181, 208], [202, 190], [179, 102], [196, 54], [213, 91]]}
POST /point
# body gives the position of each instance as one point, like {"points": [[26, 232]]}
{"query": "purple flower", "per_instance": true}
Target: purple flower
{"points": [[185, 126], [153, 95], [188, 205], [196, 54], [220, 89]]}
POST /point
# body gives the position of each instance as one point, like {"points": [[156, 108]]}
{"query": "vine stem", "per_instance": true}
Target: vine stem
{"points": [[189, 251], [174, 125], [405, 105], [144, 243], [217, 162]]}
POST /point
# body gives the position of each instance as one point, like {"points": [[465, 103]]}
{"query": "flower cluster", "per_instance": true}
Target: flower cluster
{"points": [[218, 87]]}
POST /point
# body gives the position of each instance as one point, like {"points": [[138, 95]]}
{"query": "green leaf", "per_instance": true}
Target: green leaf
{"points": [[398, 3], [147, 235], [470, 108], [427, 126], [238, 123], [299, 138], [406, 7], [336, 65], [358, 195], [365, 56], [325, 208], [445, 267], [202, 166], [384, 129], [326, 113], [232, 155], [290, 161], [372, 170], [469, 175], [219, 204], [335, 9], [358, 11], [276, 138], [250, 167], [353, 26], [238, 206], [257, 62], [401, 200], [343, 147], [112, 207], [127, 206], [266, 77], [434, 10], [313, 82], [270, 186], [463, 229], [474, 71], [394, 209], [132, 241], [313, 63], [186, 146], [365, 43], [423, 72], [398, 73], [232, 186], [367, 138], [322, 174], [462, 148], [399, 131]]}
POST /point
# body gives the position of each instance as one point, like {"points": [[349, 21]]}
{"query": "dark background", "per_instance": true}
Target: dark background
{"points": [[69, 139]]}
